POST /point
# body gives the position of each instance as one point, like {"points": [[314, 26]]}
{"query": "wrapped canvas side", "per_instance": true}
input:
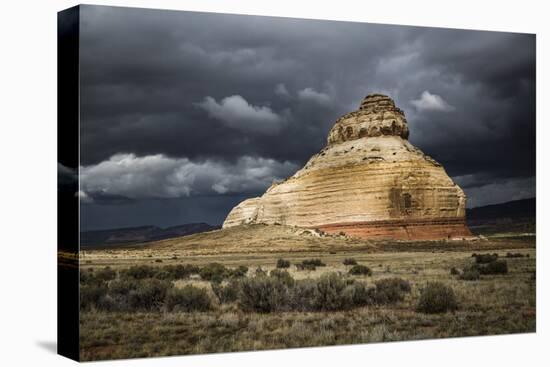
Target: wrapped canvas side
{"points": [[67, 198]]}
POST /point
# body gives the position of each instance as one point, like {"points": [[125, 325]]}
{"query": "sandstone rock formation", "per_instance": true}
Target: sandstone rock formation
{"points": [[368, 182]]}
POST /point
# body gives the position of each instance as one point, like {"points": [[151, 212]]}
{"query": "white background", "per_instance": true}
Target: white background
{"points": [[29, 173]]}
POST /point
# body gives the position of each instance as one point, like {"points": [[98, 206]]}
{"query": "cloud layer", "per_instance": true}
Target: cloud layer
{"points": [[216, 88], [160, 177]]}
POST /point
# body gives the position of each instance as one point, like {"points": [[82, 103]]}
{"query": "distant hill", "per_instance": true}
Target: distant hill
{"points": [[512, 209], [516, 216], [131, 235]]}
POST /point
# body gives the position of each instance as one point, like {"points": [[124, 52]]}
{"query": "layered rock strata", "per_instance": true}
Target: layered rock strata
{"points": [[368, 182]]}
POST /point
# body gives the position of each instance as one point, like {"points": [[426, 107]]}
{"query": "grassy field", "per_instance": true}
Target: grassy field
{"points": [[493, 304]]}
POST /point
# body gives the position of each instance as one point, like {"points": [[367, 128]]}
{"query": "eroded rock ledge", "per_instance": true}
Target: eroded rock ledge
{"points": [[368, 182]]}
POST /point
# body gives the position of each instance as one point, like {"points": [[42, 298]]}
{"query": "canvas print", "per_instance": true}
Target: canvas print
{"points": [[235, 183]]}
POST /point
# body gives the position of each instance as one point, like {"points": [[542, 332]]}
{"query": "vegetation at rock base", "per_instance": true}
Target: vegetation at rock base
{"points": [[469, 274], [313, 262], [485, 258], [283, 264], [495, 267], [437, 297], [360, 270]]}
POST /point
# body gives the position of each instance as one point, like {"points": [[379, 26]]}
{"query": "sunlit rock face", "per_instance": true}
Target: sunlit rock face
{"points": [[368, 181]]}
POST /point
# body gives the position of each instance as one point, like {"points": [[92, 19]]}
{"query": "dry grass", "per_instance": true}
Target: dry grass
{"points": [[495, 304]]}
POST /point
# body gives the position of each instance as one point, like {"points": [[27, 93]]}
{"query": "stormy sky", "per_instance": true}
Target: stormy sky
{"points": [[184, 114]]}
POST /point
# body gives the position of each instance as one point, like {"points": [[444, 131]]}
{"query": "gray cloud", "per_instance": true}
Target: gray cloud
{"points": [[311, 95], [237, 113], [84, 197], [161, 177], [280, 90], [431, 102]]}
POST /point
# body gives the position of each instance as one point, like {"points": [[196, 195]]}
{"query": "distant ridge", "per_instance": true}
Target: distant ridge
{"points": [[525, 208], [141, 234], [516, 216]]}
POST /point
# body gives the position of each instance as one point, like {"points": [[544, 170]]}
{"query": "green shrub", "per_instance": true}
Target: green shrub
{"points": [[259, 272], [330, 295], [485, 258], [187, 299], [306, 267], [111, 303], [390, 290], [350, 261], [149, 295], [238, 272], [280, 292], [128, 294], [313, 262], [469, 274], [121, 287], [263, 294], [91, 295], [139, 272], [105, 274], [191, 269], [495, 267], [360, 270], [175, 272], [437, 297], [282, 275], [303, 295], [333, 292], [310, 264], [214, 272], [227, 293], [89, 278], [283, 264], [362, 296]]}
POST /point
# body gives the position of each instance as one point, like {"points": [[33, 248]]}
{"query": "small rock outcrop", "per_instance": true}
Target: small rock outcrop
{"points": [[368, 182]]}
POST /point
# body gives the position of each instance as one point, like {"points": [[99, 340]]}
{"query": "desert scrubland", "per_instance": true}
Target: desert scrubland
{"points": [[269, 287]]}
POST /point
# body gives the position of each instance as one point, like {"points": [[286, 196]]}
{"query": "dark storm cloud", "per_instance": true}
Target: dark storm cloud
{"points": [[143, 72], [195, 87]]}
